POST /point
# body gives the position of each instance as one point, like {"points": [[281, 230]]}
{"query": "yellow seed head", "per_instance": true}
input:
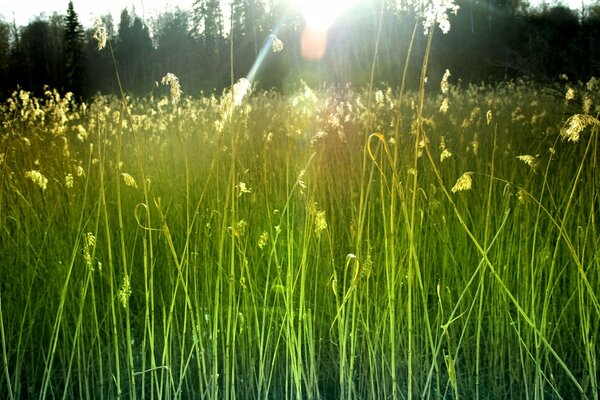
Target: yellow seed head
{"points": [[465, 182], [262, 240], [570, 94], [129, 181], [243, 189], [125, 291], [445, 105], [37, 178], [69, 181], [529, 160], [445, 155], [575, 124]]}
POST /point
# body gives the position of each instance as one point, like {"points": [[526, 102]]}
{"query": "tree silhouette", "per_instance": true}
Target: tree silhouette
{"points": [[489, 41], [4, 54], [208, 30], [176, 48], [134, 52], [73, 52]]}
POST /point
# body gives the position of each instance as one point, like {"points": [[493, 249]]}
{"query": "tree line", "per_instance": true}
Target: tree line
{"points": [[489, 40]]}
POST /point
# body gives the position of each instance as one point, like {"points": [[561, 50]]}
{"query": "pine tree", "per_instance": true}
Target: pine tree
{"points": [[134, 53], [208, 28], [73, 56]]}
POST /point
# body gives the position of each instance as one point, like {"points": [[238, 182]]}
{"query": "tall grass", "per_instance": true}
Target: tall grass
{"points": [[310, 246]]}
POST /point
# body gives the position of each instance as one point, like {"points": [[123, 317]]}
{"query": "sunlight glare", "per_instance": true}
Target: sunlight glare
{"points": [[321, 14]]}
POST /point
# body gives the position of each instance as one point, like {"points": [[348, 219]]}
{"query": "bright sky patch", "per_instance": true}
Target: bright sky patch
{"points": [[321, 14]]}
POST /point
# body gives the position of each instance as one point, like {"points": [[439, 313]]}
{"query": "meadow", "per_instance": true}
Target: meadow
{"points": [[333, 243]]}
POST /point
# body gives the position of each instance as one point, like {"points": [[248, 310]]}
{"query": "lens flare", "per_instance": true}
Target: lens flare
{"points": [[321, 14]]}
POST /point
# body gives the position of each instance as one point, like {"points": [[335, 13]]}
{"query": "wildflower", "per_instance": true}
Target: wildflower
{"points": [[100, 35], [489, 116], [242, 189], [37, 178], [575, 124], [240, 90], [444, 85], [276, 44], [129, 181], [79, 170], [262, 240], [436, 12], [529, 160], [173, 82], [465, 182], [125, 291]]}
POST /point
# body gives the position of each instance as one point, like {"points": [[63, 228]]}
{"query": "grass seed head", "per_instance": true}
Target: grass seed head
{"points": [[69, 181], [37, 178], [240, 90], [587, 105], [243, 189], [129, 181], [276, 44], [173, 82], [529, 160], [575, 124], [446, 154], [100, 34], [262, 240], [125, 291], [570, 94], [444, 85], [465, 182], [436, 12], [445, 105], [89, 242]]}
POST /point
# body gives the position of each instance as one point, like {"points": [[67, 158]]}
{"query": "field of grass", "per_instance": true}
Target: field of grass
{"points": [[336, 243]]}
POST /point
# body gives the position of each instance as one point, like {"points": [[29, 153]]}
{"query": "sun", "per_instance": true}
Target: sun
{"points": [[321, 14]]}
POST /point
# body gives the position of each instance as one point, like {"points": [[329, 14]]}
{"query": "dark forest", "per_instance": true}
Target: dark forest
{"points": [[490, 41]]}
